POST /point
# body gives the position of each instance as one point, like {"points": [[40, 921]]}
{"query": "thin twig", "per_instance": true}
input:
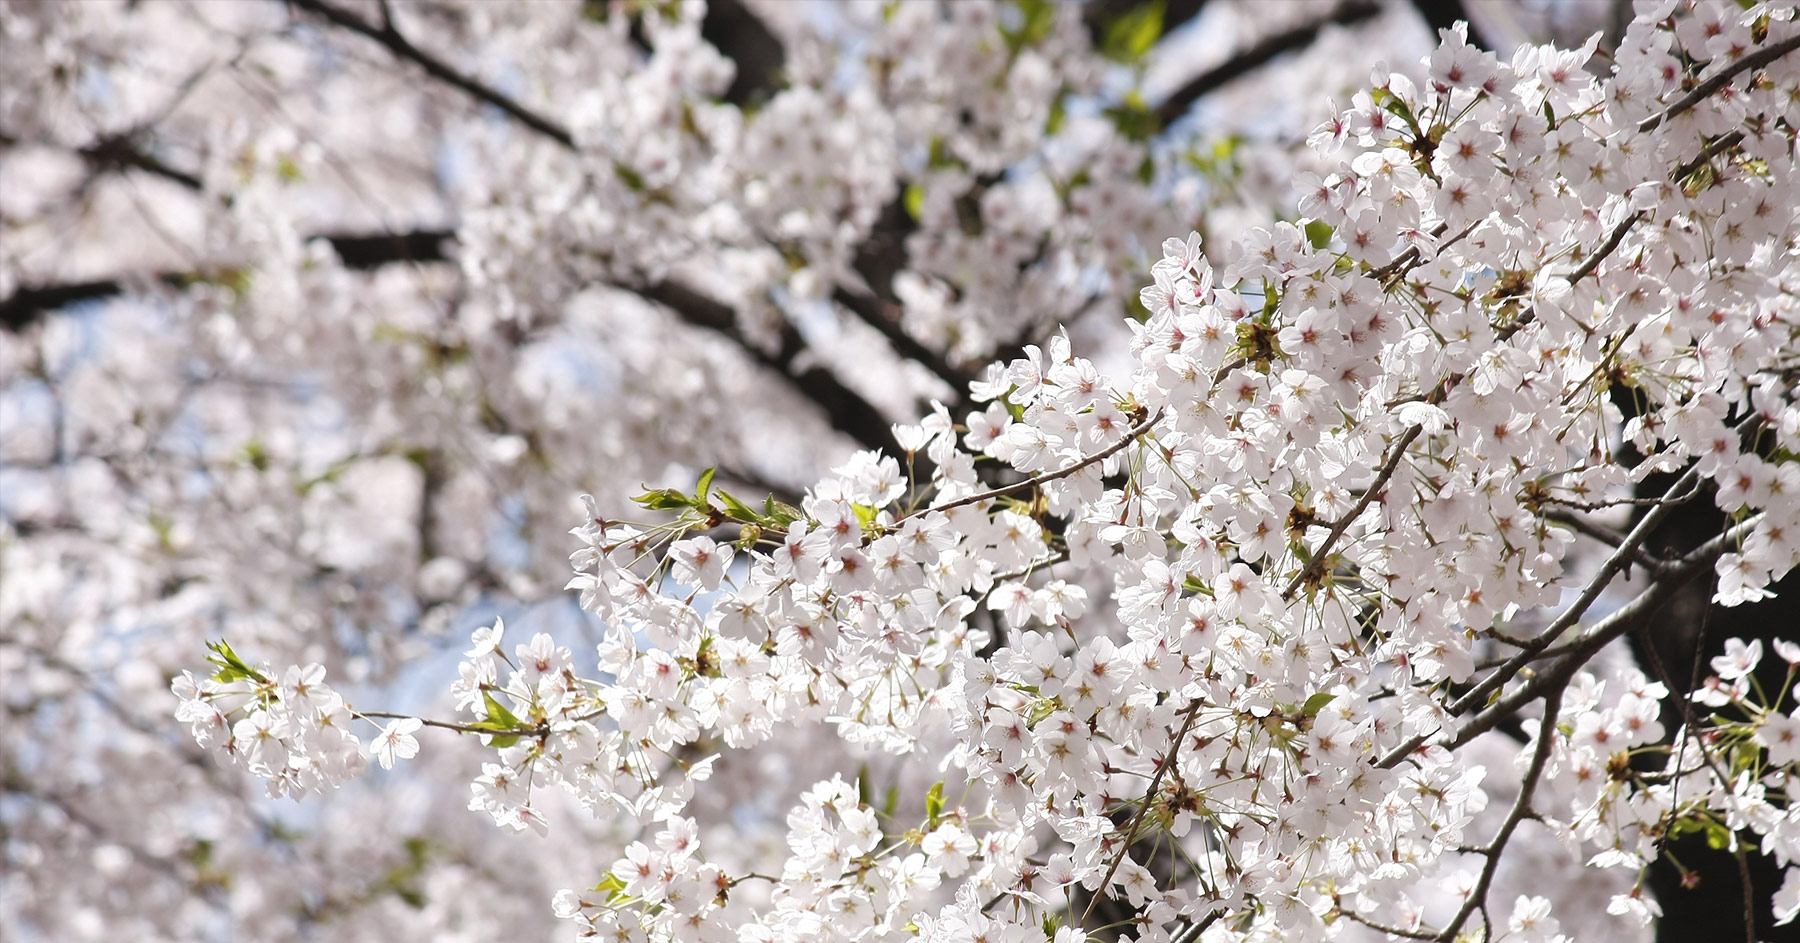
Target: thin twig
{"points": [[1137, 821], [1317, 564], [1701, 92], [1520, 809], [541, 730], [1605, 535], [1615, 624], [1130, 436]]}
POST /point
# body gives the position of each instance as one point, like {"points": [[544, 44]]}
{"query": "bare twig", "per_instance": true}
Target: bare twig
{"points": [[1137, 821], [1130, 436], [1520, 809], [1606, 535], [1316, 565]]}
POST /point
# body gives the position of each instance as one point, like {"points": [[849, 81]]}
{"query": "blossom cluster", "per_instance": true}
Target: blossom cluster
{"points": [[1253, 595], [294, 732]]}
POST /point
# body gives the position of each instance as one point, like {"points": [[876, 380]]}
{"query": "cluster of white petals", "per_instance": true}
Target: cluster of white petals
{"points": [[1255, 593]]}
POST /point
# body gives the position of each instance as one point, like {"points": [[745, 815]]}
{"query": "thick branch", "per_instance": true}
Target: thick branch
{"points": [[360, 251], [119, 152], [1616, 623], [847, 410], [884, 317], [1443, 14], [742, 36], [1257, 56]]}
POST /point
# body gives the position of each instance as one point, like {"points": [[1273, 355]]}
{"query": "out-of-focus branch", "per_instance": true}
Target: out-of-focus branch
{"points": [[1443, 14], [847, 410], [359, 251], [387, 35], [1257, 56], [742, 36], [121, 152]]}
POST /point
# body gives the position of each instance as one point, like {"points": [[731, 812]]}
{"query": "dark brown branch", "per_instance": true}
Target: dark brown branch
{"points": [[742, 36], [1614, 625], [1316, 565], [359, 251], [1258, 55], [847, 410], [119, 152], [1520, 809], [884, 317], [1606, 535], [1704, 90], [1137, 821], [1443, 14], [437, 68]]}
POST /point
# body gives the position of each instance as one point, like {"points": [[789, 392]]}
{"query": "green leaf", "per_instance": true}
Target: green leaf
{"points": [[705, 485], [664, 499], [892, 801], [914, 201], [738, 510], [939, 155], [781, 512], [1135, 310], [1316, 703], [1318, 233], [864, 796], [497, 713], [934, 804], [1036, 18], [1134, 118], [611, 886], [1132, 33], [1718, 837], [231, 667], [1059, 112], [632, 180]]}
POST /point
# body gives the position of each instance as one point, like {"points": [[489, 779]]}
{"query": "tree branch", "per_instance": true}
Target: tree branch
{"points": [[359, 251], [742, 36], [388, 36], [1100, 456], [1615, 624], [1443, 14], [1704, 90], [1137, 821], [1520, 808], [1258, 55]]}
